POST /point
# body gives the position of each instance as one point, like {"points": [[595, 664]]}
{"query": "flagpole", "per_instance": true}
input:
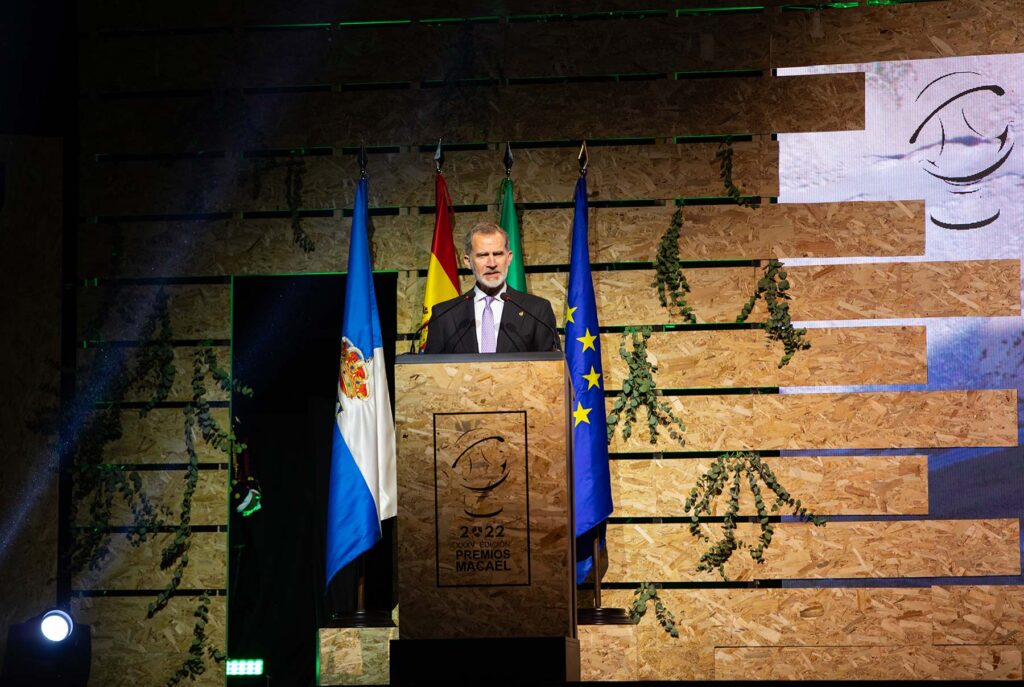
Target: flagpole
{"points": [[598, 615], [361, 616]]}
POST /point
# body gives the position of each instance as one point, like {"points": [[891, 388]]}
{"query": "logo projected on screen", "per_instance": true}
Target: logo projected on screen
{"points": [[964, 140]]}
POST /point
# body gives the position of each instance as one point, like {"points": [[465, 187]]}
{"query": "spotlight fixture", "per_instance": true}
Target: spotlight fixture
{"points": [[56, 625], [49, 650]]}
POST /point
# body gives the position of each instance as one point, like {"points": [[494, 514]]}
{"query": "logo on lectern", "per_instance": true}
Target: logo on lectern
{"points": [[481, 499]]}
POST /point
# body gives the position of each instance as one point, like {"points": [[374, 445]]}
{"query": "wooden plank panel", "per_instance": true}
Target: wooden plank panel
{"points": [[832, 617], [138, 567], [607, 652], [854, 355], [868, 663], [130, 649], [977, 615], [468, 113], [857, 420], [100, 363], [901, 32], [402, 242], [413, 52], [159, 437], [915, 548], [165, 488], [850, 485], [968, 288], [663, 171], [196, 311]]}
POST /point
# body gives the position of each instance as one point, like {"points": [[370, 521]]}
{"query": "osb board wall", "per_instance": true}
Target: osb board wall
{"points": [[982, 288], [402, 242], [474, 113], [913, 419], [406, 179], [913, 548], [130, 649], [739, 358], [227, 122], [959, 628], [851, 485], [30, 260]]}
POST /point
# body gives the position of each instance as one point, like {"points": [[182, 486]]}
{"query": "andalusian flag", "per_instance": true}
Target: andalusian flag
{"points": [[591, 479], [510, 223], [442, 273]]}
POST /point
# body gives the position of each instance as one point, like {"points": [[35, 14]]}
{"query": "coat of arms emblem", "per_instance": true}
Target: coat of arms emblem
{"points": [[354, 379]]}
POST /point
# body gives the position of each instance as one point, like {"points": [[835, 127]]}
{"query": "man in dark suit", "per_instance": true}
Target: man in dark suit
{"points": [[492, 318]]}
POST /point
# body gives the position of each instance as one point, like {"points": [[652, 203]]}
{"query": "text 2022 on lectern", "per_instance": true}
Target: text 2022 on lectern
{"points": [[485, 558]]}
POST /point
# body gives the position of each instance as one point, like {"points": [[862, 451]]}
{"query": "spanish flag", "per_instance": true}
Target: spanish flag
{"points": [[442, 273]]}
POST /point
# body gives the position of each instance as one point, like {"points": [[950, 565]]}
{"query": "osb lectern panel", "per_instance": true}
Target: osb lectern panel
{"points": [[483, 497]]}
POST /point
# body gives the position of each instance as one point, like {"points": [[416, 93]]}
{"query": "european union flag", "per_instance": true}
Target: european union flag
{"points": [[593, 489]]}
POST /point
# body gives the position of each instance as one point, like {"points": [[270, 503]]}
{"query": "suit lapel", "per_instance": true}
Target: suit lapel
{"points": [[467, 327], [509, 338]]}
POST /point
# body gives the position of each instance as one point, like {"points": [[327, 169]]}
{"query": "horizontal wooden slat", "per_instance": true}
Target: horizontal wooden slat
{"points": [[165, 488], [101, 363], [402, 242], [858, 420], [663, 171], [138, 567], [918, 548], [830, 617], [968, 288], [900, 32], [854, 355], [196, 311], [868, 663], [977, 615], [475, 113], [159, 437], [130, 649], [413, 52], [848, 485]]}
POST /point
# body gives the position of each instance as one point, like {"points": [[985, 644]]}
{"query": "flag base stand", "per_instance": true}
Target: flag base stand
{"points": [[604, 616], [364, 618]]}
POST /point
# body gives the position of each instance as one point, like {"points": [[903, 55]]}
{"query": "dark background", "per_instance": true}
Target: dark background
{"points": [[287, 346]]}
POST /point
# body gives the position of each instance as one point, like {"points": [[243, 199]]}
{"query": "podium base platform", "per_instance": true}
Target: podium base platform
{"points": [[513, 660]]}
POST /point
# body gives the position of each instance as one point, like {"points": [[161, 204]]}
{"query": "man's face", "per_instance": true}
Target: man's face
{"points": [[489, 259]]}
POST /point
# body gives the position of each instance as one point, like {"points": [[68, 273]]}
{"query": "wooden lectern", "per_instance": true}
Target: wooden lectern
{"points": [[485, 531]]}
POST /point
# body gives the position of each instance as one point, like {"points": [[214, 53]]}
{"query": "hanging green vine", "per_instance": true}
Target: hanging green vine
{"points": [[96, 483], [668, 274], [175, 554], [197, 414], [195, 664], [642, 597], [724, 157], [296, 172], [638, 389], [772, 286], [729, 472]]}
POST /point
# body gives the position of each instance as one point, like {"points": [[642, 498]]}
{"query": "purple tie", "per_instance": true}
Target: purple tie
{"points": [[487, 343]]}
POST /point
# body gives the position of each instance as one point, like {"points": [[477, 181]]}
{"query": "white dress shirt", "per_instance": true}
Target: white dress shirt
{"points": [[478, 308]]}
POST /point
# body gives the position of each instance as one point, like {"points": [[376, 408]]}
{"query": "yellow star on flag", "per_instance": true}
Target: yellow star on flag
{"points": [[568, 313], [593, 379], [587, 340], [581, 413]]}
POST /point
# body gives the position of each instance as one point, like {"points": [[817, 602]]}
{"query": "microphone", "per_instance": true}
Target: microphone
{"points": [[436, 318], [507, 297]]}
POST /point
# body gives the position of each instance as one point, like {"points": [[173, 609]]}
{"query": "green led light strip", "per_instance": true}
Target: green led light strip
{"points": [[244, 666]]}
